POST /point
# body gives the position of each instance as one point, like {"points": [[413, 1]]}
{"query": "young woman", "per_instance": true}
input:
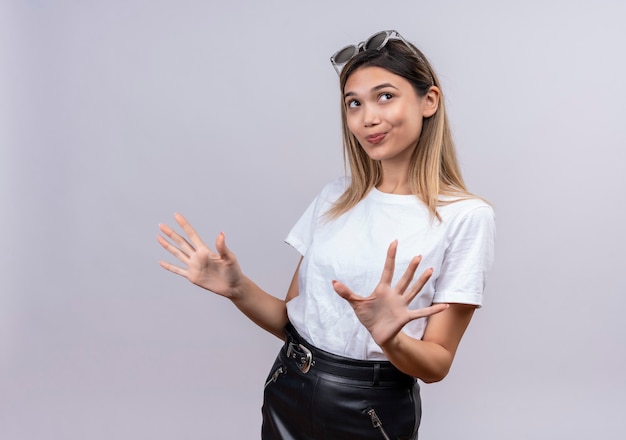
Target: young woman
{"points": [[356, 340]]}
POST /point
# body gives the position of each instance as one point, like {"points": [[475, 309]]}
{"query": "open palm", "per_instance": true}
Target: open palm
{"points": [[218, 271], [386, 310]]}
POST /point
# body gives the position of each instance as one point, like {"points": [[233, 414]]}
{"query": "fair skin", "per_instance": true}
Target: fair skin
{"points": [[385, 114]]}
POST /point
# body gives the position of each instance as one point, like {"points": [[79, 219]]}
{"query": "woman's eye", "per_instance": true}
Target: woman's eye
{"points": [[385, 96], [353, 103]]}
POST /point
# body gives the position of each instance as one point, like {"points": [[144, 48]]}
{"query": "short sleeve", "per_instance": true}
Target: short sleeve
{"points": [[467, 258], [301, 235]]}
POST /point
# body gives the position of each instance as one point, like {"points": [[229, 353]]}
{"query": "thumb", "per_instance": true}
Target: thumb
{"points": [[343, 291], [222, 249]]}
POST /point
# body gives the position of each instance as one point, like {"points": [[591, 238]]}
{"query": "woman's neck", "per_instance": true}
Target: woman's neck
{"points": [[394, 179]]}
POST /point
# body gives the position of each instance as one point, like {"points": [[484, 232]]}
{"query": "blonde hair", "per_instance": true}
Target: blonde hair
{"points": [[433, 169]]}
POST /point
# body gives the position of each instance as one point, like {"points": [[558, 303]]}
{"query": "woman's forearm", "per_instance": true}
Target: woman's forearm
{"points": [[265, 310], [427, 361], [430, 358]]}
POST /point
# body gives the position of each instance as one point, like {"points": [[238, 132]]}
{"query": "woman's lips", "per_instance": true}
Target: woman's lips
{"points": [[375, 138]]}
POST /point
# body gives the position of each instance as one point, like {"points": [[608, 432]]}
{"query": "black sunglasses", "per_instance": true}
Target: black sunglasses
{"points": [[375, 42]]}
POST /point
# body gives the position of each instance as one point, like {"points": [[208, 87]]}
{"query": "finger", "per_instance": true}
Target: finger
{"points": [[408, 275], [184, 245], [222, 249], [189, 230], [345, 292], [183, 257], [419, 284], [174, 269], [390, 263], [428, 311]]}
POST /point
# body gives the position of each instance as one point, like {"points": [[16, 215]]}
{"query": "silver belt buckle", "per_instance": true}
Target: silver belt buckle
{"points": [[303, 360]]}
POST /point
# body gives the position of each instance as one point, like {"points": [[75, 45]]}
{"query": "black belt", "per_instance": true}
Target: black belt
{"points": [[309, 358]]}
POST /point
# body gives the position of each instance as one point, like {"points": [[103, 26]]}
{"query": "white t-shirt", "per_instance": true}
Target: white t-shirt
{"points": [[353, 247]]}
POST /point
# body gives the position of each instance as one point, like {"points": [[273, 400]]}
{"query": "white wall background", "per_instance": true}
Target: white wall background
{"points": [[116, 114]]}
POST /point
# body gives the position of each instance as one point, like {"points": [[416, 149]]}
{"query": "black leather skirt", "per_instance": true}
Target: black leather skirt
{"points": [[312, 394]]}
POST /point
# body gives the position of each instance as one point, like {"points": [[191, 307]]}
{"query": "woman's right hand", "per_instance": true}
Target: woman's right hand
{"points": [[218, 272]]}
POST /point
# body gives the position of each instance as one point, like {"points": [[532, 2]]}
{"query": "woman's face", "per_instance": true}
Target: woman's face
{"points": [[385, 114]]}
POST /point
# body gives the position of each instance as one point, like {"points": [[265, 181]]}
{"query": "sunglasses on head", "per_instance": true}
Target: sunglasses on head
{"points": [[375, 42]]}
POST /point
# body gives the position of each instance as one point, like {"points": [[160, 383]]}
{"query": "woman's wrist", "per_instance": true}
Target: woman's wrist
{"points": [[392, 345], [237, 292]]}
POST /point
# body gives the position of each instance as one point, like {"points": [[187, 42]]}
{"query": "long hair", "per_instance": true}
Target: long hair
{"points": [[433, 168]]}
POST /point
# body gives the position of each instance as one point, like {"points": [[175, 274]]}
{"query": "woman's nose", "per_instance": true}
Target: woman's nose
{"points": [[371, 116]]}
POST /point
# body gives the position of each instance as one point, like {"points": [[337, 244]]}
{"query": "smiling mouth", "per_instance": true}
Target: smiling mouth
{"points": [[375, 138]]}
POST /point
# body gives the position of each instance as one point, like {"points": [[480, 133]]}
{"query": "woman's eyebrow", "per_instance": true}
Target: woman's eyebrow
{"points": [[384, 86], [374, 89]]}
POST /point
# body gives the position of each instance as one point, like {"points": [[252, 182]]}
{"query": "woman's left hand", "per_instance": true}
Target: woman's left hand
{"points": [[386, 310]]}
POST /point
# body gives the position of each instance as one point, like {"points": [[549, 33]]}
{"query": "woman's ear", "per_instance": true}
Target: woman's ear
{"points": [[431, 101]]}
